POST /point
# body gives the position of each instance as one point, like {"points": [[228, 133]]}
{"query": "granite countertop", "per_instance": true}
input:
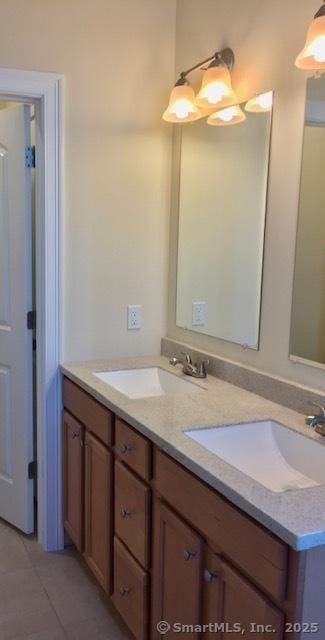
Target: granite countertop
{"points": [[296, 516]]}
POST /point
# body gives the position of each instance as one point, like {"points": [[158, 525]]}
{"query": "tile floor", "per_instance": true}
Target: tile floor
{"points": [[50, 596]]}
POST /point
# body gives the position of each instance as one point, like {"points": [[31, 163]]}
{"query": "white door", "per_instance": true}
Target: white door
{"points": [[16, 341]]}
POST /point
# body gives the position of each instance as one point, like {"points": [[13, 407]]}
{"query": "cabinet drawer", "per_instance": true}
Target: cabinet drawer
{"points": [[132, 513], [91, 413], [130, 595], [133, 448], [251, 547]]}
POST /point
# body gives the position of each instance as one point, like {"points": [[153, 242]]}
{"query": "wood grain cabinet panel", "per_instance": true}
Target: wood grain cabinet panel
{"points": [[73, 479], [95, 417], [199, 561], [233, 607], [132, 513], [98, 510], [256, 551], [177, 565], [133, 448], [130, 595]]}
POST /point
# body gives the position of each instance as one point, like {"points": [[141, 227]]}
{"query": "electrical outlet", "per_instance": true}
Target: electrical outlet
{"points": [[134, 316], [198, 314]]}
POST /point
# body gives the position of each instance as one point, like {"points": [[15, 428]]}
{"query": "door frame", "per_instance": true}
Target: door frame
{"points": [[45, 90]]}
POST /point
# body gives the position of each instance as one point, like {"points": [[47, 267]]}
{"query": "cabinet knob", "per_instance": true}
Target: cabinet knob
{"points": [[187, 554], [125, 513], [126, 447], [124, 591], [210, 575], [74, 435]]}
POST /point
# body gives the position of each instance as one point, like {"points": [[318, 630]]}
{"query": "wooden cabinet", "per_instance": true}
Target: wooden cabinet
{"points": [[133, 449], [231, 605], [251, 547], [96, 418], [130, 595], [198, 561], [177, 568], [73, 479], [98, 510], [132, 513], [195, 587]]}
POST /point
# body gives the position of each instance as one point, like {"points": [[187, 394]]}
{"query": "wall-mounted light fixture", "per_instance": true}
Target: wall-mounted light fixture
{"points": [[312, 57], [228, 116], [216, 91], [260, 103], [182, 107]]}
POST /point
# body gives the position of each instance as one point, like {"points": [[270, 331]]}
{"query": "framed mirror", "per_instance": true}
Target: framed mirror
{"points": [[307, 339], [223, 178]]}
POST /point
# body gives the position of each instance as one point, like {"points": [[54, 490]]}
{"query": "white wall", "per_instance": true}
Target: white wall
{"points": [[118, 58], [266, 37]]}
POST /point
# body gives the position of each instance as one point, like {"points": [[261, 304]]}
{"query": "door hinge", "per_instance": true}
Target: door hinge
{"points": [[31, 320], [32, 470], [30, 157]]}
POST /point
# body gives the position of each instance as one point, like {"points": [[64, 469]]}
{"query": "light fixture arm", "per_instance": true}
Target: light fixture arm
{"points": [[225, 56], [320, 12]]}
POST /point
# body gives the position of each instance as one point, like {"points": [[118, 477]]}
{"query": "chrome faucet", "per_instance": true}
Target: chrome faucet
{"points": [[197, 370], [318, 420]]}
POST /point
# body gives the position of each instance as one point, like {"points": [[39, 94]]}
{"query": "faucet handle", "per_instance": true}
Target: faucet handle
{"points": [[201, 367], [319, 406], [188, 358]]}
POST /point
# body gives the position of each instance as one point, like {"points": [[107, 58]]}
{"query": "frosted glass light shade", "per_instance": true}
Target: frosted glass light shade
{"points": [[182, 107], [216, 89], [312, 57], [231, 115], [260, 103]]}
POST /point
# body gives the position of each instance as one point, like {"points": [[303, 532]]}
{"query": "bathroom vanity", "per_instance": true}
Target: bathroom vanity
{"points": [[174, 534]]}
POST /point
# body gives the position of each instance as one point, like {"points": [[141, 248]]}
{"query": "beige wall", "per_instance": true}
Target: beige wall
{"points": [[118, 59], [266, 37], [308, 318]]}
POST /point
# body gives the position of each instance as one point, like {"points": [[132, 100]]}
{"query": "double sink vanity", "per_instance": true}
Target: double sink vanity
{"points": [[194, 502], [198, 505]]}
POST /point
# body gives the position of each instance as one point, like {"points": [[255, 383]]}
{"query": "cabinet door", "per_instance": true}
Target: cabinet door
{"points": [[230, 602], [73, 476], [177, 571], [98, 510]]}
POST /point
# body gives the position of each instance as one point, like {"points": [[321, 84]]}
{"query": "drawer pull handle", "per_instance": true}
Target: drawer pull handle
{"points": [[126, 447], [187, 554], [209, 576], [124, 591], [75, 435], [125, 513]]}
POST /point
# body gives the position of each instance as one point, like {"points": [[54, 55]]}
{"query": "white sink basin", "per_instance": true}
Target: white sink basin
{"points": [[268, 452], [145, 383]]}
